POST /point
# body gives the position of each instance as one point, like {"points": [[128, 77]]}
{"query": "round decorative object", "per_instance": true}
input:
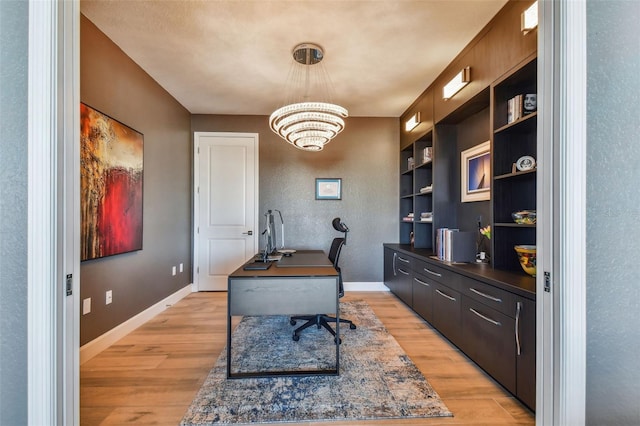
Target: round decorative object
{"points": [[526, 163], [527, 257], [286, 252], [524, 217]]}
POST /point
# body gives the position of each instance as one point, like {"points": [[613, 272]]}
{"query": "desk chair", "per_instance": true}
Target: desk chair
{"points": [[321, 320]]}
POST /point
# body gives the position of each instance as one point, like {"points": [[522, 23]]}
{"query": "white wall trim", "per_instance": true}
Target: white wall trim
{"points": [[43, 305], [97, 345], [561, 322], [365, 286], [570, 294]]}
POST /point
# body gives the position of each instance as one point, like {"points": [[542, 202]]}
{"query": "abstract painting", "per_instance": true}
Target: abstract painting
{"points": [[111, 174]]}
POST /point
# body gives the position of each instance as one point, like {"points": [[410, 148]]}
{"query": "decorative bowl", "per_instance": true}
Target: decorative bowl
{"points": [[524, 217], [527, 257]]}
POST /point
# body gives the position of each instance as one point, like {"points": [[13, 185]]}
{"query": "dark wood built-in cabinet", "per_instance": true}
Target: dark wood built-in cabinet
{"points": [[474, 307], [486, 309]]}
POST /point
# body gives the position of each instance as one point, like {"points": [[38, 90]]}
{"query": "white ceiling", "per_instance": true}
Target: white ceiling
{"points": [[233, 56]]}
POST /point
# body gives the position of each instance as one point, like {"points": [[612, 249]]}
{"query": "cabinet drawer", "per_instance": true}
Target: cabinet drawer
{"points": [[403, 261], [498, 299], [446, 312], [423, 297], [488, 337], [437, 273]]}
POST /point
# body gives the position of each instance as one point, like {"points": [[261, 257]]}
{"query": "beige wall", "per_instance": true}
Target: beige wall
{"points": [[112, 83], [365, 155]]}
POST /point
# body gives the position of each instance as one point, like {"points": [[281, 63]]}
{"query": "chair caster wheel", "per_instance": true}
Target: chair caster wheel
{"points": [[337, 341], [352, 326], [292, 322], [296, 337]]}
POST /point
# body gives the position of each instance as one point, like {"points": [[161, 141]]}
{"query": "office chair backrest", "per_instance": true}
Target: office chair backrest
{"points": [[334, 252]]}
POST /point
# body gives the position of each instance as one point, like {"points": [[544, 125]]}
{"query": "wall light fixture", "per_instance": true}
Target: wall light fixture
{"points": [[412, 122], [457, 83], [530, 18]]}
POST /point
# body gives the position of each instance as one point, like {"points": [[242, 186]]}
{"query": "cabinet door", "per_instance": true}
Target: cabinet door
{"points": [[489, 339], [423, 297], [526, 352], [405, 276], [397, 275], [390, 274], [446, 312]]}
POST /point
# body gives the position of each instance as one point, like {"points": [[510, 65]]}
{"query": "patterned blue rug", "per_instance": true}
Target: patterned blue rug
{"points": [[377, 379]]}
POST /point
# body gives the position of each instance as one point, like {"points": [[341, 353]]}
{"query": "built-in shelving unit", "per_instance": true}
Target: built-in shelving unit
{"points": [[487, 309], [416, 192], [512, 190]]}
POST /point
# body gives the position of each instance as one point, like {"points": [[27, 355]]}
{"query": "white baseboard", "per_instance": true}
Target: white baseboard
{"points": [[365, 286], [97, 345]]}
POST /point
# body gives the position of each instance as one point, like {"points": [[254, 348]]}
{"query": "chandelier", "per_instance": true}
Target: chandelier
{"points": [[306, 124]]}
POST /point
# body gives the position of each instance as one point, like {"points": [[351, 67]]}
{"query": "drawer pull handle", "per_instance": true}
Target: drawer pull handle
{"points": [[403, 272], [395, 256], [446, 296], [403, 260], [518, 309], [479, 293], [422, 282], [432, 273], [485, 318]]}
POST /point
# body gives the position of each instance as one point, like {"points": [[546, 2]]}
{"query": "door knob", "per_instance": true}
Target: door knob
{"points": [[248, 233]]}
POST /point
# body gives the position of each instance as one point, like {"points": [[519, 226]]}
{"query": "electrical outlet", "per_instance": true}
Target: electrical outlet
{"points": [[108, 297], [86, 306], [181, 267], [173, 270]]}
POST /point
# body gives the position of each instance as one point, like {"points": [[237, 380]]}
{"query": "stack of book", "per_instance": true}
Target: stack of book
{"points": [[408, 218], [453, 245], [428, 188], [426, 154], [426, 217], [514, 108]]}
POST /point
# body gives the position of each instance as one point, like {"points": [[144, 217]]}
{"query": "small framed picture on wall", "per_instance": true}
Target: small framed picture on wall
{"points": [[328, 189], [475, 167]]}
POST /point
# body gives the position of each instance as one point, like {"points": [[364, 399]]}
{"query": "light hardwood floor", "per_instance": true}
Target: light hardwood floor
{"points": [[151, 375]]}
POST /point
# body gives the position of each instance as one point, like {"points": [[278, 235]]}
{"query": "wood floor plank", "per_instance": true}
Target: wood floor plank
{"points": [[151, 375]]}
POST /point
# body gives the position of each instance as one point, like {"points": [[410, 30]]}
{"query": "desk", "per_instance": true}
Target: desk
{"points": [[290, 290]]}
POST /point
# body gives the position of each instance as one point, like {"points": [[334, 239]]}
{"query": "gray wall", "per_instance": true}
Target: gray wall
{"points": [[14, 26], [112, 83], [613, 200], [365, 155]]}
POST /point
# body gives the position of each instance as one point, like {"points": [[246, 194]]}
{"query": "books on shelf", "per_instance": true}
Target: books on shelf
{"points": [[427, 153], [514, 108], [453, 245], [426, 217], [425, 189], [408, 217]]}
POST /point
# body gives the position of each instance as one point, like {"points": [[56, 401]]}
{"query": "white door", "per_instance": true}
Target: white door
{"points": [[225, 205]]}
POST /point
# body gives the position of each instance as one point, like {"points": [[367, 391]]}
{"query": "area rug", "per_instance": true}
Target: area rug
{"points": [[377, 379]]}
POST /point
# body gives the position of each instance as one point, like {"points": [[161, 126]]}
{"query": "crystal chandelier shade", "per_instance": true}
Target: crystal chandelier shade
{"points": [[304, 124]]}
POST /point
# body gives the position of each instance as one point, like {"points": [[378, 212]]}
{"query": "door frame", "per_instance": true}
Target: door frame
{"points": [[196, 193], [53, 213], [562, 143]]}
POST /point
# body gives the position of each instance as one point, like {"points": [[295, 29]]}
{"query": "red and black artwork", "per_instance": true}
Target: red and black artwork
{"points": [[111, 164]]}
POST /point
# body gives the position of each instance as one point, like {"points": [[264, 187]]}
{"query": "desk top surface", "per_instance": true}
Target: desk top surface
{"points": [[303, 263]]}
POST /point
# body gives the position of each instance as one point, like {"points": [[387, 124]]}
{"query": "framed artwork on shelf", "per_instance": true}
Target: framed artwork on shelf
{"points": [[328, 189], [111, 173], [475, 167]]}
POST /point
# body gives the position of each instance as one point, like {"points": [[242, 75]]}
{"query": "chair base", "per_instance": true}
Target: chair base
{"points": [[319, 320]]}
